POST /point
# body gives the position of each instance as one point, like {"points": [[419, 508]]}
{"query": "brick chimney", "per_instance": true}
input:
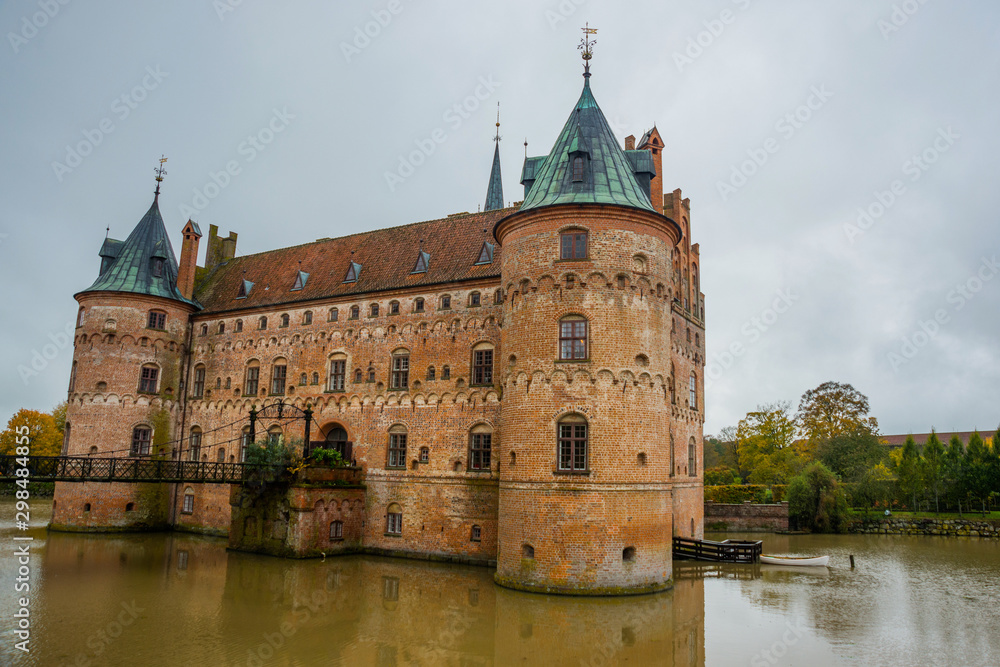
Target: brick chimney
{"points": [[630, 142], [189, 259], [652, 142]]}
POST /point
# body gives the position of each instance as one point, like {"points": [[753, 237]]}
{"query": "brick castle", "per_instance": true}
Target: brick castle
{"points": [[520, 387]]}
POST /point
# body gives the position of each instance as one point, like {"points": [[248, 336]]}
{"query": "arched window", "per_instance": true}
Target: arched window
{"points": [[148, 378], [482, 364], [573, 338], [431, 373], [284, 321], [394, 520], [355, 312], [188, 507], [358, 378], [239, 326], [279, 371], [274, 435], [93, 450], [336, 530], [692, 458], [394, 308], [141, 438], [693, 391], [475, 299], [222, 328], [198, 387], [262, 323], [334, 315], [480, 447], [252, 378], [338, 372], [446, 373], [397, 447], [573, 439], [498, 297], [371, 373], [157, 320], [315, 378], [374, 310], [628, 554], [307, 318], [336, 439], [79, 317], [303, 379], [72, 377], [527, 551], [194, 444], [221, 454], [400, 369], [204, 330]]}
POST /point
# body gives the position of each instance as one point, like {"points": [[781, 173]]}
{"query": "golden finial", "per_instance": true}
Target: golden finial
{"points": [[497, 138], [160, 173], [587, 46]]}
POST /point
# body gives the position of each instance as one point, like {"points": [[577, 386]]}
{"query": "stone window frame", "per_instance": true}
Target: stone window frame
{"points": [[396, 448], [393, 307], [333, 315], [475, 299], [284, 321], [445, 302], [394, 520], [569, 442], [355, 313], [480, 455], [373, 310]]}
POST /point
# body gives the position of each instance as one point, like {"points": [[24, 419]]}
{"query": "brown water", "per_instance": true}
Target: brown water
{"points": [[174, 599]]}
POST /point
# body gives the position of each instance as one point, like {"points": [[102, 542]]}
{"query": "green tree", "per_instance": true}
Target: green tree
{"points": [[976, 471], [908, 472], [44, 436], [850, 455], [816, 500], [954, 460], [764, 445], [873, 487], [833, 409], [933, 469]]}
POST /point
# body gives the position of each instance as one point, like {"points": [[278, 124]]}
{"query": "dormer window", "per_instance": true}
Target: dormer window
{"points": [[486, 253], [578, 169], [245, 287], [353, 271], [423, 259], [300, 280], [157, 267]]}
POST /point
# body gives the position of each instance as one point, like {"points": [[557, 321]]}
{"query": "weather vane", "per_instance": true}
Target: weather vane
{"points": [[587, 46], [160, 173]]}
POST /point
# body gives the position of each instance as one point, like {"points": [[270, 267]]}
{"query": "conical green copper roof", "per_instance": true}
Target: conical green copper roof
{"points": [[608, 176], [132, 269], [494, 193]]}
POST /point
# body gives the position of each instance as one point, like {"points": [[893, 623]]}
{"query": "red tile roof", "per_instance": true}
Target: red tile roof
{"points": [[921, 438], [387, 257]]}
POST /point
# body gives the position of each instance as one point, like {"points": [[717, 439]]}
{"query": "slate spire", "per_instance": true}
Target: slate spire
{"points": [[494, 193]]}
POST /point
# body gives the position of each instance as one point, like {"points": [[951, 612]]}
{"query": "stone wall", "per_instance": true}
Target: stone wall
{"points": [[951, 527], [746, 517]]}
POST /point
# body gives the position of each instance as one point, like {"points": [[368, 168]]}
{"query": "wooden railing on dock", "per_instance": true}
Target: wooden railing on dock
{"points": [[727, 551]]}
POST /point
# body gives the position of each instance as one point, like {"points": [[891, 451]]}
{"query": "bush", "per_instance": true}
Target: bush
{"points": [[816, 500], [328, 457], [738, 493], [721, 476]]}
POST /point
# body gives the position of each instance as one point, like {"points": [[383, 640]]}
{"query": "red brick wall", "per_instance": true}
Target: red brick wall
{"points": [[747, 516]]}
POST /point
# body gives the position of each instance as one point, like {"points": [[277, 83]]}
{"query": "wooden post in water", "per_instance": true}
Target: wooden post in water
{"points": [[852, 561]]}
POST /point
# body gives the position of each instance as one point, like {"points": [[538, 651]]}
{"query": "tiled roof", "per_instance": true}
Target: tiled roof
{"points": [[610, 179], [386, 256], [898, 440], [132, 269]]}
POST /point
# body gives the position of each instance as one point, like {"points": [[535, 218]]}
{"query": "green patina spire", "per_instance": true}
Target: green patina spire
{"points": [[144, 263], [494, 193], [586, 164]]}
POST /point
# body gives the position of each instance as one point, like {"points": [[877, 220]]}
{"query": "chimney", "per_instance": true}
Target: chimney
{"points": [[220, 249], [189, 259], [652, 142], [630, 142]]}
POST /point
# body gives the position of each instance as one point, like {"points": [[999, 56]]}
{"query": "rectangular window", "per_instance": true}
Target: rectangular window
{"points": [[573, 246], [445, 302], [693, 392], [140, 441], [394, 525], [199, 382], [194, 453], [692, 461], [400, 371], [477, 535], [338, 370], [157, 320], [419, 305], [482, 367], [397, 450], [278, 380], [480, 448], [474, 299], [147, 381], [188, 503], [573, 447], [573, 339], [253, 373], [337, 530]]}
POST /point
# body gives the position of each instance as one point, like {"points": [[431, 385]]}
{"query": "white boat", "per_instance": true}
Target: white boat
{"points": [[817, 561]]}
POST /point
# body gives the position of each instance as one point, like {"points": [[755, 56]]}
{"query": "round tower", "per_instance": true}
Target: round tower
{"points": [[585, 503], [126, 380]]}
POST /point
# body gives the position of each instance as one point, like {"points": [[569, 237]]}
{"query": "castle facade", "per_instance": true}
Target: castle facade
{"points": [[520, 387]]}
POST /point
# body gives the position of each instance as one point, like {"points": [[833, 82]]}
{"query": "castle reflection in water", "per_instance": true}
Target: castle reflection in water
{"points": [[205, 605]]}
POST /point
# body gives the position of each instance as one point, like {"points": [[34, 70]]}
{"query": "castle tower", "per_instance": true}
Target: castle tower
{"points": [[585, 493], [126, 383]]}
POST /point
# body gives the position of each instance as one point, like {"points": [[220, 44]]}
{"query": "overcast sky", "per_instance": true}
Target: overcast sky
{"points": [[781, 122]]}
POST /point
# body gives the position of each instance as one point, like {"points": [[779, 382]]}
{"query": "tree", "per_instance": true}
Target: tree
{"points": [[976, 470], [908, 472], [764, 444], [833, 409], [873, 487], [934, 467], [44, 436], [850, 455], [816, 500], [954, 460]]}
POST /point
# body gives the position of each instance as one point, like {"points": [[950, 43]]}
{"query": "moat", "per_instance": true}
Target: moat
{"points": [[181, 599]]}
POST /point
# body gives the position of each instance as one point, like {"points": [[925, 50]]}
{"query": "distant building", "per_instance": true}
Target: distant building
{"points": [[897, 441], [522, 386]]}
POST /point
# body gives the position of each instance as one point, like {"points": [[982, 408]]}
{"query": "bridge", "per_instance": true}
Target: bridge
{"points": [[131, 469]]}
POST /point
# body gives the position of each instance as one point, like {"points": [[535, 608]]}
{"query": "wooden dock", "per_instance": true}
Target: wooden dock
{"points": [[727, 551]]}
